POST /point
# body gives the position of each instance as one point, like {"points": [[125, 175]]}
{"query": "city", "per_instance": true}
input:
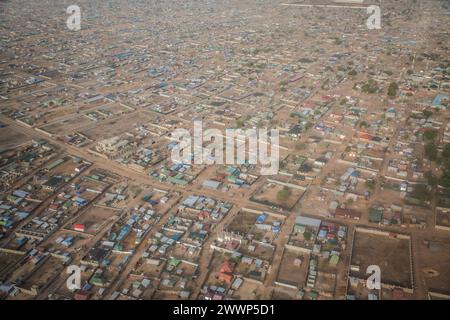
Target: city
{"points": [[88, 122]]}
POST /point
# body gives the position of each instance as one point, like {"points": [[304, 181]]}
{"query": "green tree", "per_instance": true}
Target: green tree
{"points": [[338, 41], [431, 152], [427, 113], [431, 179], [446, 151], [370, 184], [239, 123], [307, 235], [430, 135], [421, 192], [444, 180], [392, 89], [363, 124], [283, 194]]}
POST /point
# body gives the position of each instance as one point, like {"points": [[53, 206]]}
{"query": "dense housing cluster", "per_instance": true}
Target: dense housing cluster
{"points": [[87, 178]]}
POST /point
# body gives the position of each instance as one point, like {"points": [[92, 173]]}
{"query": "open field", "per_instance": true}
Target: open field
{"points": [[293, 268], [270, 194], [10, 138], [434, 263], [390, 253]]}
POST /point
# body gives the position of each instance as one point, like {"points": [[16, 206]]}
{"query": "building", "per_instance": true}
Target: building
{"points": [[347, 214]]}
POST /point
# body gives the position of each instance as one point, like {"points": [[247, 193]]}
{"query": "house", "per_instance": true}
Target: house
{"points": [[375, 215], [79, 227], [227, 267], [81, 295], [225, 277], [211, 184], [53, 183], [441, 101], [391, 113], [347, 214], [295, 131], [237, 283]]}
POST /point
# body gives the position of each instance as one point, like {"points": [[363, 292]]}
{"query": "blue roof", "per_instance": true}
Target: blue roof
{"points": [[176, 237], [261, 218], [437, 101], [22, 214]]}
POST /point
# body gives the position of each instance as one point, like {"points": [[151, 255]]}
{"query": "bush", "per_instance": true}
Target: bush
{"points": [[283, 194]]}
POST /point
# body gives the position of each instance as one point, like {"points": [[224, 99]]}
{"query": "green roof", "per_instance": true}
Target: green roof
{"points": [[334, 260], [178, 181], [174, 262], [375, 215]]}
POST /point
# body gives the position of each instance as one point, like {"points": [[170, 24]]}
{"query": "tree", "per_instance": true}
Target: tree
{"points": [[446, 151], [363, 124], [307, 235], [431, 179], [370, 86], [308, 125], [421, 192], [392, 89], [427, 113], [370, 184], [430, 135], [444, 180], [338, 41], [431, 151], [283, 194]]}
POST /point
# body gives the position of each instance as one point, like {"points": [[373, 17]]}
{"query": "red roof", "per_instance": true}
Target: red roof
{"points": [[397, 293], [227, 267], [365, 135], [81, 295], [225, 277], [78, 226], [204, 214], [54, 206], [347, 213]]}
